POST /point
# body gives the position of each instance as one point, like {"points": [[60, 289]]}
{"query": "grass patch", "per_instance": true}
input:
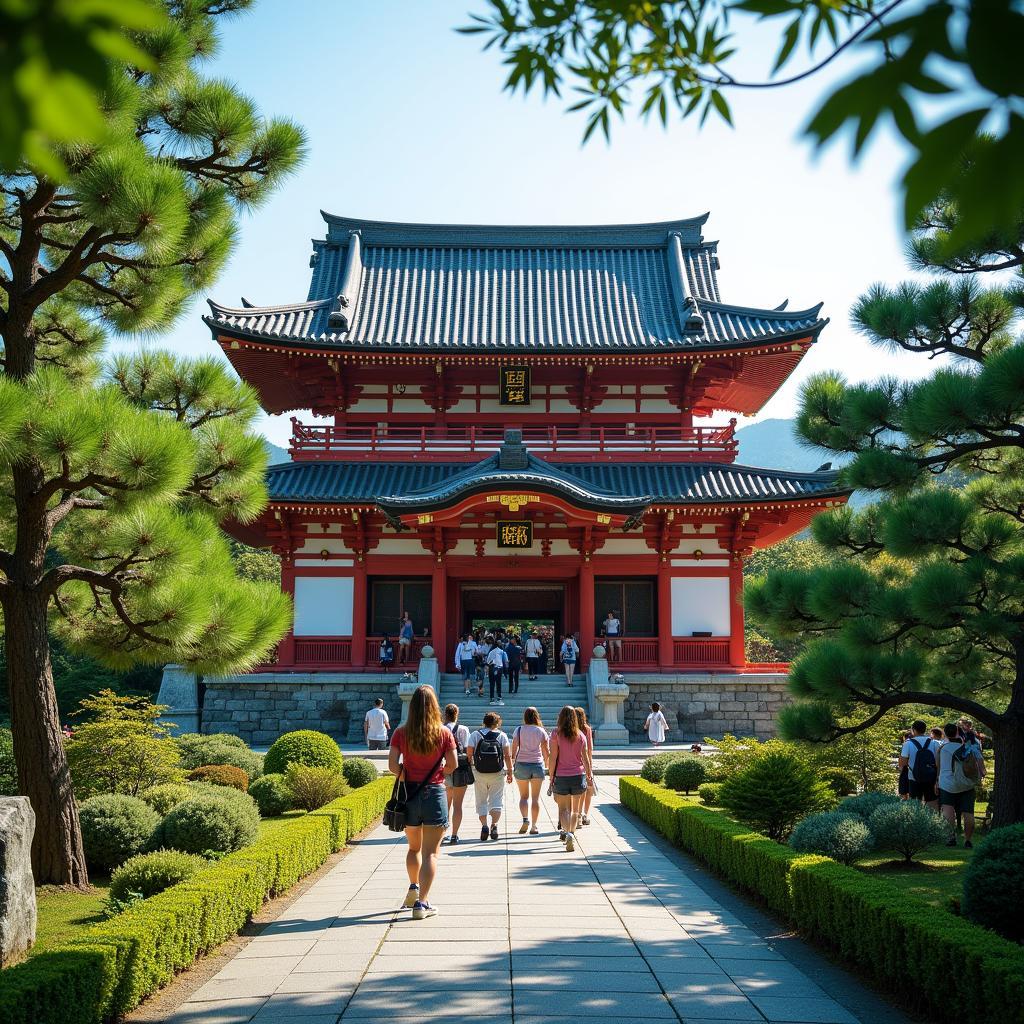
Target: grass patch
{"points": [[268, 825], [62, 911], [934, 877]]}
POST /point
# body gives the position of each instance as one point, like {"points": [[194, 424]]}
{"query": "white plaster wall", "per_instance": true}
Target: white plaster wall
{"points": [[323, 606], [399, 546], [700, 603], [625, 546], [321, 542]]}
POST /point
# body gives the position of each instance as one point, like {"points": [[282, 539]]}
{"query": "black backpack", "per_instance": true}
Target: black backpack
{"points": [[924, 768], [488, 757]]}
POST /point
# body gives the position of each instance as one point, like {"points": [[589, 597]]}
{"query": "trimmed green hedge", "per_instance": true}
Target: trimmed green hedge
{"points": [[867, 921], [115, 965]]}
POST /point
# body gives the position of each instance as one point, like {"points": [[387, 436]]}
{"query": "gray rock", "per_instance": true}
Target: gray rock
{"points": [[17, 886]]}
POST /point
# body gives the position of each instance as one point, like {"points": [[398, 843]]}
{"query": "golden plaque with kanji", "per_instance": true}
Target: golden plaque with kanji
{"points": [[513, 385], [515, 533]]}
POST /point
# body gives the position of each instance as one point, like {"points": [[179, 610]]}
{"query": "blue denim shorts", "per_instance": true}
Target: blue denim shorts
{"points": [[569, 785], [427, 806], [525, 772]]}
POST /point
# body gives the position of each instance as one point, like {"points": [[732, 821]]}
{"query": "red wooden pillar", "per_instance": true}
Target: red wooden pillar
{"points": [[439, 612], [359, 615], [666, 649], [737, 630], [586, 611], [286, 648]]}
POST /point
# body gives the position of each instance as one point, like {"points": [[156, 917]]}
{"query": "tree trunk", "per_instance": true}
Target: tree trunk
{"points": [[43, 775], [1008, 739]]}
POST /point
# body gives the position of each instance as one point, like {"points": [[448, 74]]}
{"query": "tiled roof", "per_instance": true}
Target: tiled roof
{"points": [[684, 483], [420, 287]]}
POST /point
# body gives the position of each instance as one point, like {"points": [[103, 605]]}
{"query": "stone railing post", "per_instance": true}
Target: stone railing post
{"points": [[17, 887], [612, 695]]}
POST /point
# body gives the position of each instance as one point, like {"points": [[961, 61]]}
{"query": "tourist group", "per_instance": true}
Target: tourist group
{"points": [[435, 760]]}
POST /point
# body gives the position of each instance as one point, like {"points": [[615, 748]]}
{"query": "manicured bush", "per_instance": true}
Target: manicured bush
{"points": [[843, 837], [653, 769], [840, 780], [308, 747], [994, 883], [865, 804], [907, 827], [709, 793], [685, 775], [209, 824], [113, 967], [114, 828], [358, 771], [167, 796], [221, 775], [272, 795], [150, 873], [8, 769], [313, 788], [228, 793], [774, 791], [219, 748]]}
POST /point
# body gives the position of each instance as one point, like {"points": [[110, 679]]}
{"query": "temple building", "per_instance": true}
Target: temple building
{"points": [[519, 423]]}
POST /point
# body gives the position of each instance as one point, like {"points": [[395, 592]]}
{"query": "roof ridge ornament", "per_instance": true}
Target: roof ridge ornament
{"points": [[513, 454], [689, 312], [341, 310]]}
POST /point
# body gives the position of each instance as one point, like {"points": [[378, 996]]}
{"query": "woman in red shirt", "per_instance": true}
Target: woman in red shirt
{"points": [[423, 752], [571, 771]]}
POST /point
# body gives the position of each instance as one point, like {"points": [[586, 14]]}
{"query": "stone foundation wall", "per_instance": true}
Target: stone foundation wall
{"points": [[707, 705], [259, 708]]}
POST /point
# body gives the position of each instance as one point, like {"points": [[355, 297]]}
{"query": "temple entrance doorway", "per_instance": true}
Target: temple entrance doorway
{"points": [[539, 607]]}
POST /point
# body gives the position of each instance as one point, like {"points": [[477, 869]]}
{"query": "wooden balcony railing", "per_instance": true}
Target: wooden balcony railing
{"points": [[700, 651], [468, 442]]}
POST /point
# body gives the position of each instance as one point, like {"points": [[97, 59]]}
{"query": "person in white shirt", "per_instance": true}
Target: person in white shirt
{"points": [[534, 650], [490, 753], [375, 726], [465, 661], [656, 724], [613, 634], [921, 752], [497, 662], [462, 777], [955, 787]]}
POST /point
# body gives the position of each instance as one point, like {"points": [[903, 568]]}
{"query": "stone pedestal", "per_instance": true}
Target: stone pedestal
{"points": [[428, 672], [17, 887], [407, 686], [611, 696], [179, 690]]}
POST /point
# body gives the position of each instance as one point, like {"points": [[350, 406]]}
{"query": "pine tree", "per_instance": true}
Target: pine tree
{"points": [[115, 475], [927, 606]]}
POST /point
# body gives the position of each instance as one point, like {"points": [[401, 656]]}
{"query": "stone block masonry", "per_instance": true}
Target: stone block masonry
{"points": [[707, 704], [260, 707], [17, 888]]}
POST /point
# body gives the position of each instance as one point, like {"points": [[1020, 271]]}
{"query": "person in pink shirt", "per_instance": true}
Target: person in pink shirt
{"points": [[530, 755], [571, 773], [588, 797]]}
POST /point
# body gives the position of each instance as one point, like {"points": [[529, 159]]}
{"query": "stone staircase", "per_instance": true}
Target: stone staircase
{"points": [[548, 694]]}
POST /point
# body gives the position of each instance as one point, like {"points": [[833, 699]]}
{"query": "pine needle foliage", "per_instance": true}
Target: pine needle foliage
{"points": [[116, 474], [924, 603]]}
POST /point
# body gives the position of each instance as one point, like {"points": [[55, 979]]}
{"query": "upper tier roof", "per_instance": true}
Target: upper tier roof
{"points": [[386, 287]]}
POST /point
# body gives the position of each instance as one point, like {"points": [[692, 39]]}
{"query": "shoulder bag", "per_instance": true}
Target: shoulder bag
{"points": [[395, 812]]}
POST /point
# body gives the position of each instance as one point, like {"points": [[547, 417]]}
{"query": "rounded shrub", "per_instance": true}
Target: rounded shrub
{"points": [[653, 769], [843, 783], [210, 824], [865, 804], [774, 791], [907, 827], [218, 748], [686, 774], [843, 837], [150, 873], [709, 793], [307, 746], [166, 796], [358, 771], [994, 883], [312, 787], [272, 794], [114, 828], [221, 775]]}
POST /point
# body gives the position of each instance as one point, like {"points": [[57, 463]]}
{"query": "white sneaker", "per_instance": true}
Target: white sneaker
{"points": [[501, 703], [412, 896], [570, 844], [422, 910]]}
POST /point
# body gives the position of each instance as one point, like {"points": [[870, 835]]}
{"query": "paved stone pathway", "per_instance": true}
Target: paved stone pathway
{"points": [[526, 933]]}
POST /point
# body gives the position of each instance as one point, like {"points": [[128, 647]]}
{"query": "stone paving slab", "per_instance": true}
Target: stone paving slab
{"points": [[526, 934]]}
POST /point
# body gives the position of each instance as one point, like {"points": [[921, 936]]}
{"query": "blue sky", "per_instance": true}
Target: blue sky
{"points": [[407, 120]]}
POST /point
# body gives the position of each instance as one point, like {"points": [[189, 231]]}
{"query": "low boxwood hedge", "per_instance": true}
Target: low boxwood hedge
{"points": [[867, 921], [114, 966]]}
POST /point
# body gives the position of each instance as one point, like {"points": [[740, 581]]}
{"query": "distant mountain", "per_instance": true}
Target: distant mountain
{"points": [[773, 444], [275, 454]]}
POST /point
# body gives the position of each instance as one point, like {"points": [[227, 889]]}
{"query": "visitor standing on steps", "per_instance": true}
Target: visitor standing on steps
{"points": [[514, 654], [465, 661], [497, 660], [570, 773], [483, 648], [588, 797], [568, 654], [530, 756], [534, 652], [462, 777], [423, 752], [490, 753], [405, 636]]}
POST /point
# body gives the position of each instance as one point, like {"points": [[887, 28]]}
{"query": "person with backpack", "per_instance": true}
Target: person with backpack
{"points": [[490, 752], [497, 662], [918, 756], [960, 769], [422, 753], [462, 777], [530, 755], [568, 654]]}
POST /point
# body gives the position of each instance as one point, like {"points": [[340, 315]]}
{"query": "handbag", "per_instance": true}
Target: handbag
{"points": [[395, 810]]}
